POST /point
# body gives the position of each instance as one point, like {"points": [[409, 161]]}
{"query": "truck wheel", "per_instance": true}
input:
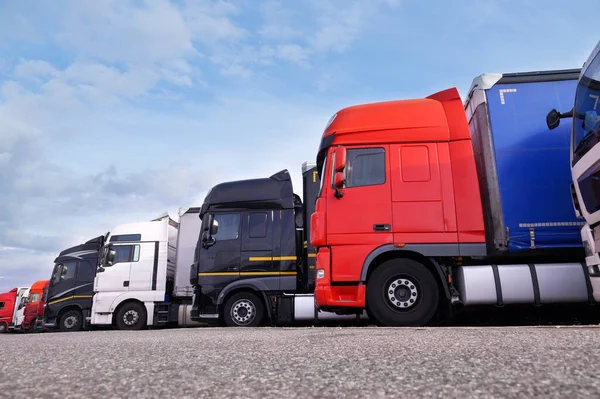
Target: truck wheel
{"points": [[131, 316], [71, 321], [402, 292], [3, 328], [244, 309]]}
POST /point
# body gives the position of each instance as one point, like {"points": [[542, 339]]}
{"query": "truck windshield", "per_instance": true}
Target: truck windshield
{"points": [[56, 274], [33, 298], [586, 127]]}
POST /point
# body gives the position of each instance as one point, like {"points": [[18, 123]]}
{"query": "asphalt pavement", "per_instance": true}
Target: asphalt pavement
{"points": [[325, 362]]}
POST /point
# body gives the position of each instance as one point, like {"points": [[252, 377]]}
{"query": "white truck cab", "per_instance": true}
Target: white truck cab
{"points": [[143, 277], [137, 263], [19, 313]]}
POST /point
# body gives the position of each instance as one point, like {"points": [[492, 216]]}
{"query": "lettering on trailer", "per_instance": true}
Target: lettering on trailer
{"points": [[551, 224], [315, 173], [502, 91]]}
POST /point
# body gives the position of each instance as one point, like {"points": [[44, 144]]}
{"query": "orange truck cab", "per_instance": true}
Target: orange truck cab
{"points": [[399, 223], [34, 308]]}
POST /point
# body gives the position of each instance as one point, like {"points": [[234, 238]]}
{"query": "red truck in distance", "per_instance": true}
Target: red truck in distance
{"points": [[7, 309], [34, 308]]}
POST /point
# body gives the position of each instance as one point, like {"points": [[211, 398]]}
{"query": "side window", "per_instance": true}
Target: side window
{"points": [[257, 225], [126, 253], [126, 237], [68, 271], [228, 226], [85, 271], [1, 305], [365, 167]]}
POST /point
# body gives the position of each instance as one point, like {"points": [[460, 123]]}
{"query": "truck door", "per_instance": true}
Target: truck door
{"points": [[116, 276], [362, 218], [220, 260], [62, 283], [257, 245], [85, 281], [143, 266]]}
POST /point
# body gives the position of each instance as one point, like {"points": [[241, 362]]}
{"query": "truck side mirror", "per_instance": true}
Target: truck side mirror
{"points": [[110, 257], [214, 227], [210, 227], [338, 184], [207, 239], [208, 221], [107, 258], [553, 119], [340, 159]]}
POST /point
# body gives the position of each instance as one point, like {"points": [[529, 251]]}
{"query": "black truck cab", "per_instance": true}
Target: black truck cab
{"points": [[71, 287], [252, 251]]}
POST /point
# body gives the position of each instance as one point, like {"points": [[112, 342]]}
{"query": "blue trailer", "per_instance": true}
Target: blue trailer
{"points": [[523, 167], [534, 251]]}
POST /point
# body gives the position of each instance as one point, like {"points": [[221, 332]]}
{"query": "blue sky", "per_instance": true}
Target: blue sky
{"points": [[118, 110]]}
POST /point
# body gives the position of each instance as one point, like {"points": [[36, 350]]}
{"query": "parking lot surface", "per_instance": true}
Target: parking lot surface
{"points": [[304, 362]]}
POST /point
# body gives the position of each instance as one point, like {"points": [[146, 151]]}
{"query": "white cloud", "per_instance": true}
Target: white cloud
{"points": [[210, 21], [293, 53], [33, 69], [120, 31]]}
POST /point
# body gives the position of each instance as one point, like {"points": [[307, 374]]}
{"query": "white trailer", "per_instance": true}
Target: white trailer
{"points": [[143, 273]]}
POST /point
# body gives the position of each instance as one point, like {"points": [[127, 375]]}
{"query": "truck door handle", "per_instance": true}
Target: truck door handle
{"points": [[125, 283], [381, 227], [232, 269]]}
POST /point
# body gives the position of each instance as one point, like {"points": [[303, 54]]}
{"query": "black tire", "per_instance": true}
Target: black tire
{"points": [[31, 328], [402, 292], [131, 316], [244, 309], [3, 328], [71, 320]]}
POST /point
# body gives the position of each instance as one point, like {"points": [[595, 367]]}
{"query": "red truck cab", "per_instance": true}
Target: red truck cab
{"points": [[7, 309], [399, 187], [34, 307]]}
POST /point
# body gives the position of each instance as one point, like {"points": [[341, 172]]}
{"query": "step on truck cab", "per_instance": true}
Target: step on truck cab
{"points": [[70, 290], [423, 205], [32, 306], [143, 274], [584, 126], [8, 301], [254, 262]]}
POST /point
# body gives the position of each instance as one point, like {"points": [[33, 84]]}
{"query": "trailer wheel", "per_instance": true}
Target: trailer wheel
{"points": [[402, 292], [71, 321], [131, 316], [244, 309], [3, 328]]}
